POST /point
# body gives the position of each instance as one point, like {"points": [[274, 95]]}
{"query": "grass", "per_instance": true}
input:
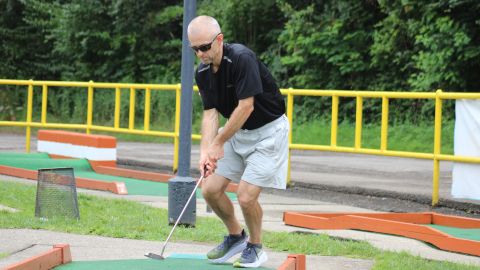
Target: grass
{"points": [[127, 219]]}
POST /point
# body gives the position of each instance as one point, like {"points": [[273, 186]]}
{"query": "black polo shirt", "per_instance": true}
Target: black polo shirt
{"points": [[240, 75]]}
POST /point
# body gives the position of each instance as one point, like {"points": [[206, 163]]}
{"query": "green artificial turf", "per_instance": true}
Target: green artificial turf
{"points": [[147, 264]]}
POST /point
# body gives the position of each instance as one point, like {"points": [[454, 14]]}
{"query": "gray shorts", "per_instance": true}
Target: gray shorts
{"points": [[258, 156]]}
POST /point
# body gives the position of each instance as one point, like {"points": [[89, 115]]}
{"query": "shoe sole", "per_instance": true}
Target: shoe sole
{"points": [[232, 252], [263, 258]]}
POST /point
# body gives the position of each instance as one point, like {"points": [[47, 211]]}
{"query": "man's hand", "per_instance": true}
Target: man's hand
{"points": [[209, 160], [214, 152], [206, 167], [202, 165]]}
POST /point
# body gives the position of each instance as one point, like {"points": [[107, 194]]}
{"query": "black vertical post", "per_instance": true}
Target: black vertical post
{"points": [[181, 186]]}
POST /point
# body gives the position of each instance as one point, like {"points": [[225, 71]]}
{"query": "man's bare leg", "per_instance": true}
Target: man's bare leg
{"points": [[252, 211], [213, 191]]}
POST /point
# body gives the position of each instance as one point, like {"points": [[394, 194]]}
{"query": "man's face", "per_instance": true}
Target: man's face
{"points": [[205, 46]]}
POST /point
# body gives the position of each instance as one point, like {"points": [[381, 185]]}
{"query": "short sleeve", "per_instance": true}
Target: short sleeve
{"points": [[246, 76]]}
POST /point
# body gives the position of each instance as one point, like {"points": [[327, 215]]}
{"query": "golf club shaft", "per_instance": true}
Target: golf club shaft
{"points": [[181, 214]]}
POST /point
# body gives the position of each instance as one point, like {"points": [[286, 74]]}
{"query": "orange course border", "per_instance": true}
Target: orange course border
{"points": [[148, 176], [60, 254], [294, 262], [404, 224], [114, 187]]}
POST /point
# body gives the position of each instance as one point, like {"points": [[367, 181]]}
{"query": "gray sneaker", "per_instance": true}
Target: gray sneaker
{"points": [[229, 248], [252, 256]]}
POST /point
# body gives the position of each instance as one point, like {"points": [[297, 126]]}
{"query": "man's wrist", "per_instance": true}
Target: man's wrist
{"points": [[218, 141]]}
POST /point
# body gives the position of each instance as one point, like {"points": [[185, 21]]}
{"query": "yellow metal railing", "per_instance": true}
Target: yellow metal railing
{"points": [[89, 126], [360, 96]]}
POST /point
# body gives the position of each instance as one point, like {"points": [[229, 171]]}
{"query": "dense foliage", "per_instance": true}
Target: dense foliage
{"points": [[317, 44]]}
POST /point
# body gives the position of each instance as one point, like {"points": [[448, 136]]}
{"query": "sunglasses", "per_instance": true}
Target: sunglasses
{"points": [[204, 47]]}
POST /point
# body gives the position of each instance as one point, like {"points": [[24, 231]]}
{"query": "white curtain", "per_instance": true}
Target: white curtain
{"points": [[466, 176]]}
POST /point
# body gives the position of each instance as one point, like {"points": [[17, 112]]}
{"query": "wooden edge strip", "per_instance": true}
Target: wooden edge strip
{"points": [[417, 218], [294, 262], [410, 230], [149, 176], [454, 221], [305, 220], [417, 231], [17, 172], [59, 254], [392, 226], [115, 171], [115, 187]]}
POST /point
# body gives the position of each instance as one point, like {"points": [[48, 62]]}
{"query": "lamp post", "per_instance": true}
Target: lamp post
{"points": [[182, 185]]}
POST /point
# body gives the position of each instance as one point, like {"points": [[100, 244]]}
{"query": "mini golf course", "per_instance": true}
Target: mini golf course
{"points": [[11, 162]]}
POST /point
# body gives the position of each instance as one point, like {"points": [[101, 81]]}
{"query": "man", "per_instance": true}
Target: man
{"points": [[252, 147]]}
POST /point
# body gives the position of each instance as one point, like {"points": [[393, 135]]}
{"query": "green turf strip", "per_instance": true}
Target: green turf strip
{"points": [[36, 162], [470, 234], [83, 169], [146, 264], [23, 155]]}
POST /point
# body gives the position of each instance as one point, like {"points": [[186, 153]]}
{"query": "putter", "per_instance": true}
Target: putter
{"points": [[160, 257]]}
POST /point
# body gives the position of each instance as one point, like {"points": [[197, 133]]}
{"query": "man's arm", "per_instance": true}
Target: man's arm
{"points": [[235, 122], [209, 131], [212, 145]]}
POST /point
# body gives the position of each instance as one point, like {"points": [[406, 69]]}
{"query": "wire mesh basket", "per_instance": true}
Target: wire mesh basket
{"points": [[56, 194]]}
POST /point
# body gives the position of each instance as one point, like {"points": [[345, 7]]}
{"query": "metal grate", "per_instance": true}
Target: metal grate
{"points": [[56, 194]]}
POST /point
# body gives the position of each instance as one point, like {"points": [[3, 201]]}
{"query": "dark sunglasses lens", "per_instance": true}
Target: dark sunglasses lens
{"points": [[202, 48], [205, 47]]}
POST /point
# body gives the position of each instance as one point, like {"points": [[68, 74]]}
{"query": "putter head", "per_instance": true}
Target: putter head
{"points": [[154, 256]]}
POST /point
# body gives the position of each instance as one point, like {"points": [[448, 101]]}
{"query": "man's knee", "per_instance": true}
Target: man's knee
{"points": [[213, 187], [246, 201], [210, 193]]}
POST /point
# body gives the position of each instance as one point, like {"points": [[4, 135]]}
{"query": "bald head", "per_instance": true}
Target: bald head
{"points": [[206, 39], [203, 26]]}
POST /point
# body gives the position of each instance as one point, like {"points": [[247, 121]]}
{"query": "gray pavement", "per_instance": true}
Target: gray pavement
{"points": [[388, 173]]}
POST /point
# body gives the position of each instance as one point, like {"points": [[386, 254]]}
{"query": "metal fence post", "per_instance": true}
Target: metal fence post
{"points": [[437, 146], [290, 121], [28, 134], [89, 106]]}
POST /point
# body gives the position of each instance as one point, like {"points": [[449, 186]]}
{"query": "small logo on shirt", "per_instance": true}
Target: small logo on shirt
{"points": [[228, 59], [205, 68]]}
